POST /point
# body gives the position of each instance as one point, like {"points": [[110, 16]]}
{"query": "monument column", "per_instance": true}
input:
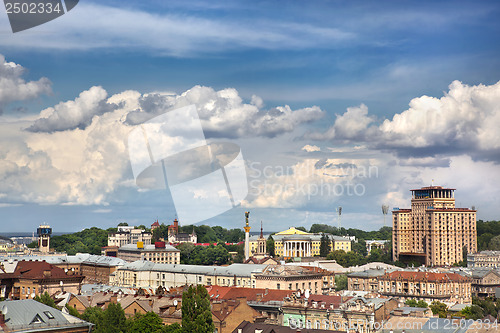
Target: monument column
{"points": [[247, 237]]}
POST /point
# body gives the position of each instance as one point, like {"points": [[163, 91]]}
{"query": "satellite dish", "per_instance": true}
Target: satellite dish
{"points": [[4, 309], [175, 302], [33, 295], [306, 294]]}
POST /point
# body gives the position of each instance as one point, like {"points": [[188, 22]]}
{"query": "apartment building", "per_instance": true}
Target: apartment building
{"points": [[128, 235], [433, 231], [290, 278], [147, 274], [427, 286], [489, 259], [159, 253]]}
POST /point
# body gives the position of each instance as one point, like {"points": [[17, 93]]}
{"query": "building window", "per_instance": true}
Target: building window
{"points": [[278, 286]]}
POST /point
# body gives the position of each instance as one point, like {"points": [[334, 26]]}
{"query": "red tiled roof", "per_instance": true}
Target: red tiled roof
{"points": [[251, 294], [39, 269], [427, 276], [329, 299], [155, 224]]}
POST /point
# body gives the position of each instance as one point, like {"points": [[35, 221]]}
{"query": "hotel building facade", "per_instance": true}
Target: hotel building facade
{"points": [[433, 232]]}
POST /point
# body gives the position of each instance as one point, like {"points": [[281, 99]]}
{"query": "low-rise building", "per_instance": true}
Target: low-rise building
{"points": [[313, 312], [365, 280], [484, 282], [427, 286], [289, 278], [159, 253], [489, 259], [375, 244], [367, 314], [32, 316], [228, 314]]}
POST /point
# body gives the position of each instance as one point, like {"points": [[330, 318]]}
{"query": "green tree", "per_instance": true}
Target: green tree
{"points": [[439, 308], [123, 224], [148, 322], [474, 312], [72, 311], [114, 320], [33, 245], [94, 315], [359, 247], [301, 229], [324, 245], [46, 299], [494, 243], [340, 282], [173, 328], [270, 246], [196, 314], [411, 302], [422, 304]]}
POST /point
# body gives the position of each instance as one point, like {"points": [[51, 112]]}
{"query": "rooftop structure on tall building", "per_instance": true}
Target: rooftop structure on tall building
{"points": [[44, 232], [433, 231]]}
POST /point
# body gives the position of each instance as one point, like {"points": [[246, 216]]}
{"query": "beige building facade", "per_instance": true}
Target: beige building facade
{"points": [[426, 286], [297, 243], [159, 253], [433, 232]]}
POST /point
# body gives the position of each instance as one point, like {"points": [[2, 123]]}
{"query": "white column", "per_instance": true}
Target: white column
{"points": [[247, 245]]}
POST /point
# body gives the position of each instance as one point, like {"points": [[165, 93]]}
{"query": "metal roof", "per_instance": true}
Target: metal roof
{"points": [[31, 316], [231, 270], [151, 247]]}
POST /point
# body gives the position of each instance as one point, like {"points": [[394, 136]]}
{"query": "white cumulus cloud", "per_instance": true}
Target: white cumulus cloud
{"points": [[14, 88], [466, 119]]}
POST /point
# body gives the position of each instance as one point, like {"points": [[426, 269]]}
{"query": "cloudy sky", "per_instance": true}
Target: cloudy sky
{"points": [[332, 103]]}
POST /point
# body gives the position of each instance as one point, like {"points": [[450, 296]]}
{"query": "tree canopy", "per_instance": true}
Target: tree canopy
{"points": [[196, 313]]}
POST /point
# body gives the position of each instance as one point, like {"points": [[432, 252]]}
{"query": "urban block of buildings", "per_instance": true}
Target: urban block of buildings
{"points": [[433, 231]]}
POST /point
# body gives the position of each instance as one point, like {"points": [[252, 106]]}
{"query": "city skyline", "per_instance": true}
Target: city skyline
{"points": [[349, 105]]}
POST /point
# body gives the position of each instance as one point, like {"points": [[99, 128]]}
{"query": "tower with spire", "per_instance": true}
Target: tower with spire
{"points": [[261, 244], [247, 236]]}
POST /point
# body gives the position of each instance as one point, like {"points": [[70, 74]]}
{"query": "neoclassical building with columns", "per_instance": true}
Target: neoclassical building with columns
{"points": [[297, 243]]}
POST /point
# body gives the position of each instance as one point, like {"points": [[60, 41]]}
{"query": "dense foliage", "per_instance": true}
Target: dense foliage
{"points": [[203, 255], [204, 233], [45, 299], [270, 246], [488, 235], [196, 313], [324, 246], [385, 233], [416, 304], [340, 282]]}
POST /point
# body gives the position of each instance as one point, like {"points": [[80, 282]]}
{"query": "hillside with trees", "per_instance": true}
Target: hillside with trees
{"points": [[85, 241]]}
